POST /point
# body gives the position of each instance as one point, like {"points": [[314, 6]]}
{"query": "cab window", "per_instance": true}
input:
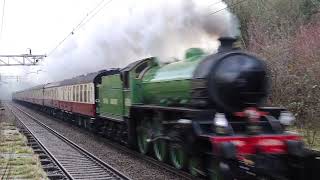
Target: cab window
{"points": [[140, 69]]}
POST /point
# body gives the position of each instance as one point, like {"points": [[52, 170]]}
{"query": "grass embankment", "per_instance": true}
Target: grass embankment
{"points": [[17, 160], [311, 138]]}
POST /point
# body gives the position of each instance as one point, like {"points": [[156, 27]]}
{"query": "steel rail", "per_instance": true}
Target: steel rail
{"points": [[125, 149], [87, 156], [43, 147]]}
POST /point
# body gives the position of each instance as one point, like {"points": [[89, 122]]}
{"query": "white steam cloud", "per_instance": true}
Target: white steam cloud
{"points": [[126, 30]]}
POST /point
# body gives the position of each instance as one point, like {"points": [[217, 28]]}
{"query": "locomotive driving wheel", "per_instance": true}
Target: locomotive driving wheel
{"points": [[178, 156], [160, 146], [160, 150], [143, 134]]}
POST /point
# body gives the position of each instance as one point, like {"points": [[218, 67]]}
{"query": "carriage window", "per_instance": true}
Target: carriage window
{"points": [[90, 94], [81, 93], [63, 93], [77, 93], [74, 94], [67, 93], [85, 94], [68, 89]]}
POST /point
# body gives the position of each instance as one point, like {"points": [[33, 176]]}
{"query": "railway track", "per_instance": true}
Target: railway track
{"points": [[185, 175], [153, 161], [74, 161], [123, 148]]}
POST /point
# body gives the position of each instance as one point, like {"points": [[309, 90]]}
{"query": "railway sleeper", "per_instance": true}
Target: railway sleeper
{"points": [[53, 175], [46, 162]]}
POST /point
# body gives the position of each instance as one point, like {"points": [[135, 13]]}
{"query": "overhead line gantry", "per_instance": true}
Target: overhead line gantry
{"points": [[21, 60]]}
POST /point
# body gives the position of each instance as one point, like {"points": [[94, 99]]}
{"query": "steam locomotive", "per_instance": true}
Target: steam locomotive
{"points": [[203, 114]]}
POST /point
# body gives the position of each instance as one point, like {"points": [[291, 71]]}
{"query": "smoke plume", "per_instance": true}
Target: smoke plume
{"points": [[126, 30]]}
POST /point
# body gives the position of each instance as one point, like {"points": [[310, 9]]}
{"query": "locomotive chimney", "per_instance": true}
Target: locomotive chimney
{"points": [[226, 43]]}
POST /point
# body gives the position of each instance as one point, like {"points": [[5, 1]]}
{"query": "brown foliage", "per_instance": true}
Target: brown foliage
{"points": [[291, 47], [306, 66]]}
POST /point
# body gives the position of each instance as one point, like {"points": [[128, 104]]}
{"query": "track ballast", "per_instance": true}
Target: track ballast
{"points": [[75, 162]]}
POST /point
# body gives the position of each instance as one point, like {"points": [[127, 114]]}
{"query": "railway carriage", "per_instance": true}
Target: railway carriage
{"points": [[203, 113], [76, 96], [32, 95], [51, 95]]}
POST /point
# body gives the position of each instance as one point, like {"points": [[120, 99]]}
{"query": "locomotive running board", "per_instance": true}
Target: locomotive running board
{"points": [[165, 108]]}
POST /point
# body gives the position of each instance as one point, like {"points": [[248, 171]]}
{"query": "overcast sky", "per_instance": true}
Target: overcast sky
{"points": [[122, 32], [39, 24]]}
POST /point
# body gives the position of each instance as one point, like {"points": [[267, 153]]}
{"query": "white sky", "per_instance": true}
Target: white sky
{"points": [[39, 25], [121, 32]]}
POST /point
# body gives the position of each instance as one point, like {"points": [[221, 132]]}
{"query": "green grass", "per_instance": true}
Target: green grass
{"points": [[22, 164]]}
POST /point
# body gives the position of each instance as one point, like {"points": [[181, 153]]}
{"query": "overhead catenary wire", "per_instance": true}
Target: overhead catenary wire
{"points": [[215, 3], [59, 44], [232, 5], [88, 18], [84, 21]]}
